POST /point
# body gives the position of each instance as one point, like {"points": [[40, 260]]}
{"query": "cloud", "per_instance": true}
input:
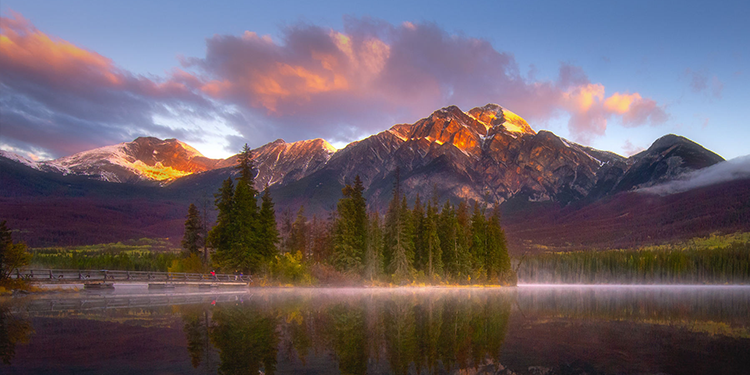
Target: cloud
{"points": [[631, 149], [321, 82], [65, 99], [730, 170], [702, 82], [311, 82]]}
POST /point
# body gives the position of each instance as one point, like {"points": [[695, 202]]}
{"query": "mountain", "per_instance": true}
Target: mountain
{"points": [[144, 159], [488, 154]]}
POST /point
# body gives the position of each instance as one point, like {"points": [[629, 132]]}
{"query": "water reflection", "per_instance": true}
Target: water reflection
{"points": [[392, 332], [14, 330], [380, 331]]}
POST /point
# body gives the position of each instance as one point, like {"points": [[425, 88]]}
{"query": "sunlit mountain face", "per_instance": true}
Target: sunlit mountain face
{"points": [[486, 155]]}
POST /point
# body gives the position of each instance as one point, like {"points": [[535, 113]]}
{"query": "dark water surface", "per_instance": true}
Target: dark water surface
{"points": [[524, 330]]}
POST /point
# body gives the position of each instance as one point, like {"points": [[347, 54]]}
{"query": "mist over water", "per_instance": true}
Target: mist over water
{"points": [[531, 329]]}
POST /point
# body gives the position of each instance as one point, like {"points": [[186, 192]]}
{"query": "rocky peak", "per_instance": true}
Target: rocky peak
{"points": [[668, 157], [493, 115]]}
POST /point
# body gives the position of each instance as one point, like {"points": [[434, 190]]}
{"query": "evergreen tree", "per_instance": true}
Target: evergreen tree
{"points": [[392, 223], [6, 241], [420, 237], [268, 234], [244, 253], [447, 232], [192, 240], [246, 169], [298, 235], [350, 230], [498, 263], [373, 256], [12, 255], [321, 239], [286, 230], [403, 251], [479, 241], [431, 242], [464, 257], [246, 248], [220, 237]]}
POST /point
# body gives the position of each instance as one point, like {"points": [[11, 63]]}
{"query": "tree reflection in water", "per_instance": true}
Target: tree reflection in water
{"points": [[13, 330], [366, 332]]}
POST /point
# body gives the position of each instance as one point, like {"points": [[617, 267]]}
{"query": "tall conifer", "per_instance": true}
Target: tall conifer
{"points": [[220, 237], [268, 233], [350, 230], [192, 240]]}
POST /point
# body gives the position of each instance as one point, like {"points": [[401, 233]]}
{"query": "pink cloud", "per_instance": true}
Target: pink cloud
{"points": [[312, 82], [63, 98], [631, 149]]}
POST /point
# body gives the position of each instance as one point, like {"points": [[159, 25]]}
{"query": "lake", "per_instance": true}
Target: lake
{"points": [[532, 329]]}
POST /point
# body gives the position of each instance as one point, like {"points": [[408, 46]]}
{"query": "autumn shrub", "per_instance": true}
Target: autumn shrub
{"points": [[290, 268]]}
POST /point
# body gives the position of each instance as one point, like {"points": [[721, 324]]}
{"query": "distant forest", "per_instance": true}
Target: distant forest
{"points": [[429, 242]]}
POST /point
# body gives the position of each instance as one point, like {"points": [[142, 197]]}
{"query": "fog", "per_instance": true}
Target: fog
{"points": [[734, 169]]}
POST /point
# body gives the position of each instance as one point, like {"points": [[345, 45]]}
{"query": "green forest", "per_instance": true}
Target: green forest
{"points": [[427, 242]]}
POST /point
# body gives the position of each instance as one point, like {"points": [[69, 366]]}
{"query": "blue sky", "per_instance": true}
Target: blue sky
{"points": [[687, 61]]}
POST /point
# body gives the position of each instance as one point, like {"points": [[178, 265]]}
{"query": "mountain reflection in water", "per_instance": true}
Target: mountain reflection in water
{"points": [[525, 330]]}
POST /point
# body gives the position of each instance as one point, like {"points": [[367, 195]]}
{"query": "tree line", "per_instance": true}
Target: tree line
{"points": [[425, 242], [690, 265]]}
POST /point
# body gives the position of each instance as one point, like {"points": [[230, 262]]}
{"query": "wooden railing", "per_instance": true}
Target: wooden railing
{"points": [[68, 276]]}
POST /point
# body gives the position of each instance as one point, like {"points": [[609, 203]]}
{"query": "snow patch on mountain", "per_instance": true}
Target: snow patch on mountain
{"points": [[19, 159]]}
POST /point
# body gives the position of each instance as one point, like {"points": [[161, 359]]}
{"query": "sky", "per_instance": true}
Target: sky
{"points": [[75, 75]]}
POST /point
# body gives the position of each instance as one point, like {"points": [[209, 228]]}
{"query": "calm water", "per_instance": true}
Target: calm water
{"points": [[524, 330]]}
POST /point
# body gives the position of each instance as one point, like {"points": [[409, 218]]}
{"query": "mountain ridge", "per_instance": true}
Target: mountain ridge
{"points": [[553, 192], [486, 154]]}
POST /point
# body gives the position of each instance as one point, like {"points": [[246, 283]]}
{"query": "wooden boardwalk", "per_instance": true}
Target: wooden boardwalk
{"points": [[62, 276]]}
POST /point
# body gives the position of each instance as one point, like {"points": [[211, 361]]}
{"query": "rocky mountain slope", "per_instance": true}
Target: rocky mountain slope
{"points": [[487, 154], [550, 189]]}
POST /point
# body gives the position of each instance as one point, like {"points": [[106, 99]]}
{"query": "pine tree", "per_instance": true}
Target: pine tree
{"points": [[350, 230], [268, 233], [431, 242], [447, 232], [246, 169], [464, 258], [192, 241], [420, 237], [479, 241], [321, 239], [498, 264], [298, 235], [403, 251], [373, 255], [5, 241], [220, 237], [286, 230], [12, 255], [391, 225], [245, 253]]}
